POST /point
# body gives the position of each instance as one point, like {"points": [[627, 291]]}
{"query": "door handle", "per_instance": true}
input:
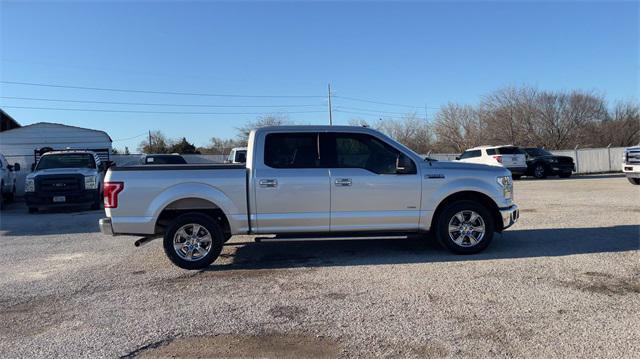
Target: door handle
{"points": [[268, 183], [343, 182]]}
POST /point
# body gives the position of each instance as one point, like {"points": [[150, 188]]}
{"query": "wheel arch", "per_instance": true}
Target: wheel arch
{"points": [[194, 197], [469, 195], [191, 205]]}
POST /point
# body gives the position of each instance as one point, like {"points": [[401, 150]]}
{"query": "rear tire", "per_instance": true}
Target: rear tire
{"points": [[469, 238], [189, 250], [635, 181], [539, 171]]}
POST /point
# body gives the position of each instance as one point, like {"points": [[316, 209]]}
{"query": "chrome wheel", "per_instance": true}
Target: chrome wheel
{"points": [[466, 228], [192, 242]]}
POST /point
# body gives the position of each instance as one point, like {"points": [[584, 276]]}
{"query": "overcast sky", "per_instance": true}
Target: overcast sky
{"points": [[409, 54]]}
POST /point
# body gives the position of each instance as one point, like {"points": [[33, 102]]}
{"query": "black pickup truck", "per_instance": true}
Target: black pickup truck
{"points": [[542, 163]]}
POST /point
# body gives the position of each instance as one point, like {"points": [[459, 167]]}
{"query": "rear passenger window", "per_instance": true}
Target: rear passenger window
{"points": [[470, 154], [491, 151], [291, 150]]}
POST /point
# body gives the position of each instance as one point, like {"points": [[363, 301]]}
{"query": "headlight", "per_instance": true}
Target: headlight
{"points": [[90, 182], [553, 160], [507, 186], [29, 185]]}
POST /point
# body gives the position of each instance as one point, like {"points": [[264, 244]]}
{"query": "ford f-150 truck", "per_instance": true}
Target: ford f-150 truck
{"points": [[631, 164], [311, 182]]}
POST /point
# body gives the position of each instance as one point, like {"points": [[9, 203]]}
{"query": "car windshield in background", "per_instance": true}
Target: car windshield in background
{"points": [[70, 160], [537, 152], [241, 156], [165, 160]]}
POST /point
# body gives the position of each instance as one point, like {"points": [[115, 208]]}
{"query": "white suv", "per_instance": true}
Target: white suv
{"points": [[509, 157]]}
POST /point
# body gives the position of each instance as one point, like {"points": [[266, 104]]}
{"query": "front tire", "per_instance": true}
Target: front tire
{"points": [[539, 171], [193, 241], [465, 227], [635, 181]]}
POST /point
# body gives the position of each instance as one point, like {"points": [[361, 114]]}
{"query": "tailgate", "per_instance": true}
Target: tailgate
{"points": [[514, 160]]}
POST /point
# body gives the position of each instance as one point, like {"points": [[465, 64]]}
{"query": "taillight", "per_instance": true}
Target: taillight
{"points": [[111, 190], [498, 158]]}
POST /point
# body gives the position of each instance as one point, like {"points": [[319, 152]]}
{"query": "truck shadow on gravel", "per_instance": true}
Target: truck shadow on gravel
{"points": [[511, 244]]}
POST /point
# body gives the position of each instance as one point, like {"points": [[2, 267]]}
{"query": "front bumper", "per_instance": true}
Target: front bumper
{"points": [[42, 199], [631, 170], [509, 216], [562, 168], [105, 226]]}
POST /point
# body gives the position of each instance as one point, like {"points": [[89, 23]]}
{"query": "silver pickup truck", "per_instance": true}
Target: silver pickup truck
{"points": [[311, 182]]}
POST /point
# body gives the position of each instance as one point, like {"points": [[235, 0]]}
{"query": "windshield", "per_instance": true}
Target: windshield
{"points": [[241, 156], [537, 152], [165, 160], [68, 160]]}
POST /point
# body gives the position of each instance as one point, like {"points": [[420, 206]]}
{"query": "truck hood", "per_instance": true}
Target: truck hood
{"points": [[64, 171]]}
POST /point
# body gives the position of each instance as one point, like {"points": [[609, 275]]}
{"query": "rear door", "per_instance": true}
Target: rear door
{"points": [[512, 157], [368, 193], [291, 188]]}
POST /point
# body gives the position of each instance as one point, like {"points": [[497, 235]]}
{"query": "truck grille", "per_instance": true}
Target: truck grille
{"points": [[632, 157], [59, 183]]}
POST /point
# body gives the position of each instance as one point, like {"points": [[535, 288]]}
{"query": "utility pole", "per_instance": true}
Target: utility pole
{"points": [[426, 113], [330, 109]]}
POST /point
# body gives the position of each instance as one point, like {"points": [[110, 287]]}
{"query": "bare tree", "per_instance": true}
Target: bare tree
{"points": [[457, 128], [264, 121], [156, 143]]}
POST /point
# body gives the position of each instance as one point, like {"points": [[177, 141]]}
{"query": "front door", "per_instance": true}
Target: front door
{"points": [[292, 190], [368, 191]]}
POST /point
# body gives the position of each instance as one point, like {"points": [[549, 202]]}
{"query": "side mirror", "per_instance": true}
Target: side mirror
{"points": [[404, 164], [16, 167], [457, 158]]}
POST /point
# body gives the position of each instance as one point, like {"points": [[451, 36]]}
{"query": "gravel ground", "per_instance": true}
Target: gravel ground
{"points": [[563, 282]]}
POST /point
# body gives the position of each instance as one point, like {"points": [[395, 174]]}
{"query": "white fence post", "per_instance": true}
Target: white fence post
{"points": [[609, 154], [577, 161]]}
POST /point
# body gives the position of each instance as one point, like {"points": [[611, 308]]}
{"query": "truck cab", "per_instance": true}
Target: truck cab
{"points": [[237, 155], [65, 178]]}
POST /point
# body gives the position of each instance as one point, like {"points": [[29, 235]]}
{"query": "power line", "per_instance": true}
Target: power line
{"points": [[130, 138], [151, 104], [365, 114], [378, 102], [154, 92], [151, 112], [375, 111]]}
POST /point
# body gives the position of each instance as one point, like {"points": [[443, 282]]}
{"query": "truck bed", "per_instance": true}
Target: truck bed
{"points": [[150, 189]]}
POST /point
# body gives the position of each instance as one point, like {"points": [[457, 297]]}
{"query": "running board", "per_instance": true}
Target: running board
{"points": [[321, 238]]}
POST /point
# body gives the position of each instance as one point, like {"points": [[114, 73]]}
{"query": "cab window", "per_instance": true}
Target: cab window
{"points": [[355, 150]]}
